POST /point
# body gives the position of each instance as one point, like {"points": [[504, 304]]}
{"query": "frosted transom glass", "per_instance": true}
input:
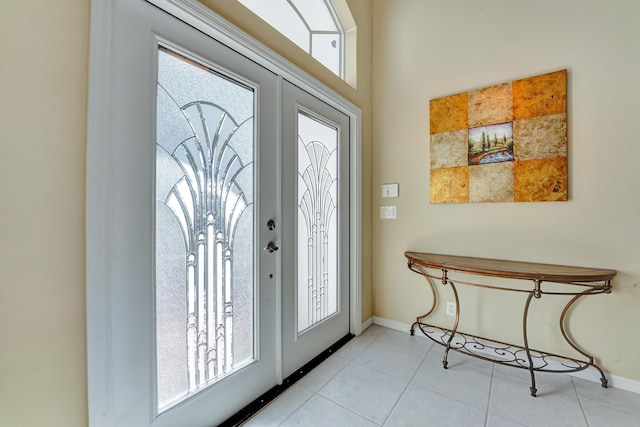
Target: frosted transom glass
{"points": [[204, 287], [317, 244], [316, 14], [301, 21]]}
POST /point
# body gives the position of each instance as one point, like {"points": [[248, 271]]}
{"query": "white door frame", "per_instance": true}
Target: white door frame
{"points": [[98, 221]]}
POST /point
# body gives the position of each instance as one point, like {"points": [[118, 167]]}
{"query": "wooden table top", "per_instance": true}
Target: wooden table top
{"points": [[510, 269]]}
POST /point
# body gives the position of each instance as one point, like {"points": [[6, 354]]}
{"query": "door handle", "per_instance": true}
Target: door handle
{"points": [[271, 247]]}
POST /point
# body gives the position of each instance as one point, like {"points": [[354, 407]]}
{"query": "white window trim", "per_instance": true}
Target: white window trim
{"points": [[98, 219]]}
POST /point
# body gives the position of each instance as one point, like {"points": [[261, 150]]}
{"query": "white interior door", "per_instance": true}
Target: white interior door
{"points": [[315, 223], [192, 186]]}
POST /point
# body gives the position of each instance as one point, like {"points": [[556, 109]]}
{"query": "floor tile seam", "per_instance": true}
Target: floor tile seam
{"points": [[355, 361], [330, 400], [406, 387], [298, 408], [384, 342], [292, 412], [545, 373], [353, 411], [506, 417], [405, 333], [404, 391], [411, 352], [402, 347], [374, 370], [448, 397], [511, 418], [332, 376], [355, 356], [528, 384], [366, 346], [465, 355], [466, 373], [579, 399], [395, 405], [604, 405], [486, 413], [375, 337], [606, 390], [454, 367]]}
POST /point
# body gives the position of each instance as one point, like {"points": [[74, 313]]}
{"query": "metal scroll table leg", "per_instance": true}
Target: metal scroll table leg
{"points": [[533, 388], [455, 325], [603, 378], [433, 305]]}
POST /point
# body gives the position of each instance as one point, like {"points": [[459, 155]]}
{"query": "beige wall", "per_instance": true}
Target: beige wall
{"points": [[426, 49], [43, 90]]}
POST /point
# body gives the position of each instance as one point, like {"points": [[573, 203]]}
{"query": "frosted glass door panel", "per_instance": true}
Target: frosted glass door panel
{"points": [[317, 291], [204, 263]]}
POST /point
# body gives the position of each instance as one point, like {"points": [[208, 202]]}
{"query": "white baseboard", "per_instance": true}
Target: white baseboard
{"points": [[391, 324], [366, 324], [615, 381]]}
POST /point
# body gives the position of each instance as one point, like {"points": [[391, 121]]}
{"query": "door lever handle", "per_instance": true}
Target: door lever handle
{"points": [[271, 248]]}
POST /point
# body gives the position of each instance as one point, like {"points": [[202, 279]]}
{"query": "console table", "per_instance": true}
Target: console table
{"points": [[582, 281]]}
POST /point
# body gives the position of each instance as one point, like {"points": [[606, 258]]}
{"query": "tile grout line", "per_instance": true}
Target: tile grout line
{"points": [[353, 362], [393, 412], [349, 362], [579, 398], [313, 393], [406, 387], [250, 410], [486, 414]]}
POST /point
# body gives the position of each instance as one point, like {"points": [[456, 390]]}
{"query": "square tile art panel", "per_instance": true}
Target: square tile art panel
{"points": [[503, 143]]}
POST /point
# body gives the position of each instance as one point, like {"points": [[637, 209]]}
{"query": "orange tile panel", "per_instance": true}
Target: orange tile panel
{"points": [[450, 185], [448, 113], [540, 180], [541, 95]]}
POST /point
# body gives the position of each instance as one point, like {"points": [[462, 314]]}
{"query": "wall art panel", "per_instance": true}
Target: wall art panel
{"points": [[503, 143]]}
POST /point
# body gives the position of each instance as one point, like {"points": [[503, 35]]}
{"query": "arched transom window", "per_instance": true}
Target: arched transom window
{"points": [[311, 24]]}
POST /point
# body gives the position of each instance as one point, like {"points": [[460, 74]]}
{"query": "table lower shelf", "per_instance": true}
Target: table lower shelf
{"points": [[504, 353]]}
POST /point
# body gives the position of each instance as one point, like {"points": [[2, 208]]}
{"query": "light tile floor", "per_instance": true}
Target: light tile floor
{"points": [[389, 378]]}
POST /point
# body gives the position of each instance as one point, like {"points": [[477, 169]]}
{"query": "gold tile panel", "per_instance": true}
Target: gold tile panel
{"points": [[448, 113], [450, 185], [540, 180], [541, 95]]}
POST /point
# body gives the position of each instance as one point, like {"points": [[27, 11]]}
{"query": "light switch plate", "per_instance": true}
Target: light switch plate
{"points": [[389, 190], [388, 212]]}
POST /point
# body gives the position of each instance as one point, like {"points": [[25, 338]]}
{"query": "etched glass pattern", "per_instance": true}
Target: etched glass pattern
{"points": [[317, 221], [204, 227]]}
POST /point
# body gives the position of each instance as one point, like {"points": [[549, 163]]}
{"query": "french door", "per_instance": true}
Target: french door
{"points": [[315, 151], [193, 298], [220, 206]]}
